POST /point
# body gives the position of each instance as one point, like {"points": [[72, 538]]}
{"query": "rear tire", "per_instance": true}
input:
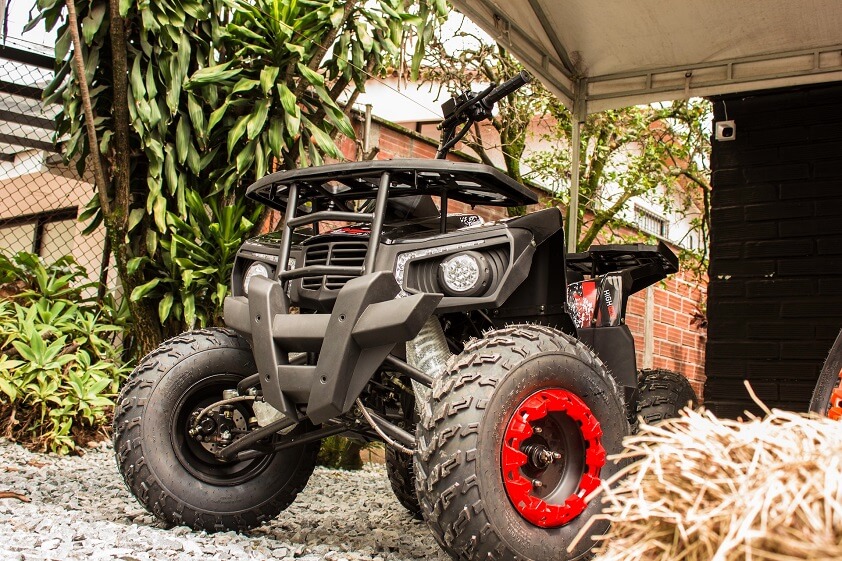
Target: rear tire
{"points": [[663, 394], [401, 470], [174, 476], [467, 429], [400, 467]]}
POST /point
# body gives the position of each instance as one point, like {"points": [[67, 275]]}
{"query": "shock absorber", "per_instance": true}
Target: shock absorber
{"points": [[429, 353]]}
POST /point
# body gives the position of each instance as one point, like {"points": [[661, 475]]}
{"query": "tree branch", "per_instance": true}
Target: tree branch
{"points": [[90, 127]]}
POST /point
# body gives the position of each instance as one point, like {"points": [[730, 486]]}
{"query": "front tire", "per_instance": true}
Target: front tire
{"points": [[473, 447], [174, 476]]}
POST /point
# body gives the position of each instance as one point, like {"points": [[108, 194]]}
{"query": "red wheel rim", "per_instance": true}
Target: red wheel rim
{"points": [[552, 456]]}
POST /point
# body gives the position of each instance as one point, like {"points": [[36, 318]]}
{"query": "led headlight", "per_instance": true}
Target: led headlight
{"points": [[464, 274], [256, 269]]}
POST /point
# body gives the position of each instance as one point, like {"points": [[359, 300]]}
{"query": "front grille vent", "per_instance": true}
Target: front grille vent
{"points": [[337, 253]]}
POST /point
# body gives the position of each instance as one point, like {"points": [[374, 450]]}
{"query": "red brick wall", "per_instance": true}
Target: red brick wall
{"points": [[678, 344]]}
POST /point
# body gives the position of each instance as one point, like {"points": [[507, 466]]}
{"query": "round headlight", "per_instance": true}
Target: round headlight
{"points": [[256, 269], [464, 274]]}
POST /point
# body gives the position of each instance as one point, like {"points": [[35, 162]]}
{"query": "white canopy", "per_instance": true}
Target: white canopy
{"points": [[616, 53], [605, 54]]}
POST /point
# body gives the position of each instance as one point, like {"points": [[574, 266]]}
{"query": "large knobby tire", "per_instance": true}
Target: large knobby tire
{"points": [[827, 395], [662, 395], [466, 432], [174, 476], [400, 467]]}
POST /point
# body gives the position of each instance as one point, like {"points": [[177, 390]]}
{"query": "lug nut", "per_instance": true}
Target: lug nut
{"points": [[537, 484], [537, 430], [556, 455]]}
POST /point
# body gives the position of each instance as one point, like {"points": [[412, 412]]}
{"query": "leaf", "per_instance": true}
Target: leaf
{"points": [[92, 22], [244, 85], [216, 116], [236, 132], [182, 139], [245, 157], [105, 141], [313, 77], [124, 7], [258, 119], [276, 136], [324, 141], [144, 289], [197, 116], [136, 80], [288, 101], [267, 78], [339, 119], [135, 216], [213, 74], [134, 264], [159, 213], [189, 309], [337, 16], [164, 307]]}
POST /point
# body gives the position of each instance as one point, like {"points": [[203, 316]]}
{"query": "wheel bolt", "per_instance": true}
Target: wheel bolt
{"points": [[537, 430], [537, 484], [556, 455]]}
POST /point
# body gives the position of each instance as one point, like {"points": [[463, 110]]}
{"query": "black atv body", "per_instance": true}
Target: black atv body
{"points": [[498, 369], [527, 278]]}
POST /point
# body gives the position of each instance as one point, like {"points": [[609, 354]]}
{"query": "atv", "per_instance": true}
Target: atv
{"points": [[496, 368]]}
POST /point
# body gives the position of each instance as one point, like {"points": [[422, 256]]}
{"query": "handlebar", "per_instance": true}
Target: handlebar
{"points": [[470, 108], [505, 89]]}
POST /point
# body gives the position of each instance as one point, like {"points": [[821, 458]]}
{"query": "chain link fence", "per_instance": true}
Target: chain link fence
{"points": [[40, 197]]}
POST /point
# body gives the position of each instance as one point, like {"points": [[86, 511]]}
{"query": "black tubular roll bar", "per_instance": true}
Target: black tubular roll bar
{"points": [[291, 221]]}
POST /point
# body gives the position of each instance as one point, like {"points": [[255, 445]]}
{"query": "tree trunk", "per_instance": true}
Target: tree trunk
{"points": [[146, 327]]}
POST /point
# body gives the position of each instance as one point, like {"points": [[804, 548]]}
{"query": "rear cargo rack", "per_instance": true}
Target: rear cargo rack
{"points": [[645, 264]]}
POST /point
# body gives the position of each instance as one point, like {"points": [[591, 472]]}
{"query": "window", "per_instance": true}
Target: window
{"points": [[49, 234], [651, 223]]}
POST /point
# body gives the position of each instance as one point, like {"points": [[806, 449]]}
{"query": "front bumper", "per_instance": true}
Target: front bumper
{"points": [[352, 341]]}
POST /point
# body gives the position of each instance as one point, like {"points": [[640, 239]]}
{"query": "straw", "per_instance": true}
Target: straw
{"points": [[711, 489]]}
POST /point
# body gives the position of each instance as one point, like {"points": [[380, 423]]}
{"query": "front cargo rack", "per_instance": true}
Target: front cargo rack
{"points": [[311, 195]]}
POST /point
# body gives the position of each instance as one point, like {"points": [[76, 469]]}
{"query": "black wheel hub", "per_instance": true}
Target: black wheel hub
{"points": [[197, 454]]}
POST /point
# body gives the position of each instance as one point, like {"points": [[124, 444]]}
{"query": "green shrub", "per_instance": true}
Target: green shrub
{"points": [[59, 364]]}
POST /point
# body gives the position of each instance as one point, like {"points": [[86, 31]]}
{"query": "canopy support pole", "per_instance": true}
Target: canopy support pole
{"points": [[578, 119]]}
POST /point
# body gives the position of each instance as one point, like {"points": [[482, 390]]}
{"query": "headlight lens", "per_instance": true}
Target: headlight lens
{"points": [[464, 274], [256, 269]]}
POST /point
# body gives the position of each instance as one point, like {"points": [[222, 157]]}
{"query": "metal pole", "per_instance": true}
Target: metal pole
{"points": [[367, 131], [573, 208], [579, 112]]}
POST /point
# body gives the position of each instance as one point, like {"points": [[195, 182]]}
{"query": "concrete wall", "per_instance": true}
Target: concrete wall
{"points": [[775, 295]]}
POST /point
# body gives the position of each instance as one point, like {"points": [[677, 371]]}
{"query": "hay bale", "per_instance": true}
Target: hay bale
{"points": [[705, 488]]}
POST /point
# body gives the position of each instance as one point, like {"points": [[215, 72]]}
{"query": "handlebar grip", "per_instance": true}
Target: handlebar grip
{"points": [[506, 88]]}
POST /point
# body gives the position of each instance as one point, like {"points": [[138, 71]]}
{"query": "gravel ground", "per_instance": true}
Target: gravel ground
{"points": [[80, 509]]}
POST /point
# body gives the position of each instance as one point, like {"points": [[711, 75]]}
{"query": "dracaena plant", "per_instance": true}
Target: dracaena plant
{"points": [[203, 97]]}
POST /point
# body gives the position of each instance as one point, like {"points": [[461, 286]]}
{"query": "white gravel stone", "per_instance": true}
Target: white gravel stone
{"points": [[81, 510]]}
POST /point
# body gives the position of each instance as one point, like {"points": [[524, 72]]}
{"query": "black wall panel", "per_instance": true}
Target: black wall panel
{"points": [[775, 295]]}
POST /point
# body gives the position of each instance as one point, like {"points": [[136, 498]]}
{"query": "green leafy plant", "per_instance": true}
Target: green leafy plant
{"points": [[338, 452], [203, 97], [59, 365]]}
